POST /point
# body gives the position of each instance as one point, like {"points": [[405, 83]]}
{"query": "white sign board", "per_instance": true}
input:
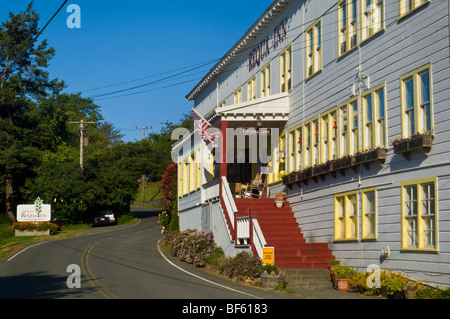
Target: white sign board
{"points": [[38, 212]]}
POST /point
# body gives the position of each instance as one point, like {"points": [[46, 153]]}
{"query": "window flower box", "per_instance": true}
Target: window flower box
{"points": [[344, 162], [415, 142], [378, 155]]}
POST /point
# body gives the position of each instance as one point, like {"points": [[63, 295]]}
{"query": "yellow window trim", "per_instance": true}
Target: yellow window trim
{"points": [[364, 235], [316, 65], [375, 113], [286, 68], [420, 240], [416, 5], [415, 74], [265, 80], [347, 219], [363, 19], [251, 88]]}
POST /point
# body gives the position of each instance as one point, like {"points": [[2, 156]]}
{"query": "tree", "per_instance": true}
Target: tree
{"points": [[23, 83]]}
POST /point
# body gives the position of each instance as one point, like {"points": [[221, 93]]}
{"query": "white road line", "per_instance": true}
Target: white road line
{"points": [[204, 279], [14, 256], [82, 236]]}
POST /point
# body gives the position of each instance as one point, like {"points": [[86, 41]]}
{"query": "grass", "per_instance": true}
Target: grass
{"points": [[152, 192]]}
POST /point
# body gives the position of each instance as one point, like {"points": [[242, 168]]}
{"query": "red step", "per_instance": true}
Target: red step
{"points": [[281, 230]]}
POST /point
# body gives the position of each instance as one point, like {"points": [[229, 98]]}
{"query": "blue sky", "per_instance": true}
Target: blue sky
{"points": [[140, 42]]}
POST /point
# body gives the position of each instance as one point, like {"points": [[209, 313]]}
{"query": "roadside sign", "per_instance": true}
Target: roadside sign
{"points": [[38, 212], [268, 255]]}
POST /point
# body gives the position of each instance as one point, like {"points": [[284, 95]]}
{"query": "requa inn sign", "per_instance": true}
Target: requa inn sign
{"points": [[39, 212]]}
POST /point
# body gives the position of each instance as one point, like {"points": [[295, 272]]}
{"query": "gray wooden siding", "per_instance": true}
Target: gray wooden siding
{"points": [[405, 45]]}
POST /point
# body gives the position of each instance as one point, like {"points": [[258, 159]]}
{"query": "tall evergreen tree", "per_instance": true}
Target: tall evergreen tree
{"points": [[23, 83]]}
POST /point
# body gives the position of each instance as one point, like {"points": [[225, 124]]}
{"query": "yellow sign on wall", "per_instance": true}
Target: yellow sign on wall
{"points": [[268, 255]]}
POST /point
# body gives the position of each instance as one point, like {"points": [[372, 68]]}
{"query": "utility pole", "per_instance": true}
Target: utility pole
{"points": [[143, 130], [81, 126]]}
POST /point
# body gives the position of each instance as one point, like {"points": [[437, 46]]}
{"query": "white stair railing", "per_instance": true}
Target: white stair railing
{"points": [[243, 230], [258, 238], [228, 199]]}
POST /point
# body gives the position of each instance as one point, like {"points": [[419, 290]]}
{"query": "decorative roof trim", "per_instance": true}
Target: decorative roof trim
{"points": [[244, 43]]}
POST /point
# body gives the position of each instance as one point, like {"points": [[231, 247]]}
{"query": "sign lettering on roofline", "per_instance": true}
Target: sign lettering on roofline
{"points": [[258, 54]]}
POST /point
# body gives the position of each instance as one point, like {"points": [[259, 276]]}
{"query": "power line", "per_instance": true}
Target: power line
{"points": [[35, 38], [299, 47]]}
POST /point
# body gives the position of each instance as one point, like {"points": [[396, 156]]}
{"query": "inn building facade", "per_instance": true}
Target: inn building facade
{"points": [[350, 101]]}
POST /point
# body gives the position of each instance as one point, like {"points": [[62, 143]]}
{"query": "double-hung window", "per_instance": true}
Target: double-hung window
{"points": [[348, 127], [286, 69], [314, 48], [419, 214], [251, 89], [237, 96], [369, 213], [346, 216], [374, 123], [416, 102], [347, 26], [408, 6], [372, 18], [265, 81]]}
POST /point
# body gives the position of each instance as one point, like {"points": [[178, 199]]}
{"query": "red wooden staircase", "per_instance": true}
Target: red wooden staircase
{"points": [[282, 231]]}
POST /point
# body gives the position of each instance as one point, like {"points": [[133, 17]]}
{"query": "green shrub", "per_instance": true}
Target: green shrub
{"points": [[270, 268]]}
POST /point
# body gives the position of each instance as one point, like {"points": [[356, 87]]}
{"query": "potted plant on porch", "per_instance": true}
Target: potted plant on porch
{"points": [[343, 275], [279, 199]]}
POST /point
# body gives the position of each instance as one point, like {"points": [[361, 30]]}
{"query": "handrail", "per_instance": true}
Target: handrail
{"points": [[258, 238], [228, 200]]}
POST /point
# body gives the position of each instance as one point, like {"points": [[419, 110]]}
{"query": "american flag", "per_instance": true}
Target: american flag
{"points": [[201, 126]]}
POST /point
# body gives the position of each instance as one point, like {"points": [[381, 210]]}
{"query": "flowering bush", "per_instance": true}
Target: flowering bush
{"points": [[169, 186], [243, 266], [192, 246], [42, 226], [164, 220]]}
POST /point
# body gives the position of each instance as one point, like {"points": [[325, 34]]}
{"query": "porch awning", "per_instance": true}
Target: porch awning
{"points": [[271, 108]]}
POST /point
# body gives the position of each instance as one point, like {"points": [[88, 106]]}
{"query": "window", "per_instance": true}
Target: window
{"points": [[314, 48], [408, 6], [325, 138], [347, 26], [372, 17], [369, 209], [346, 216], [292, 152], [237, 96], [416, 102], [299, 148], [265, 81], [251, 89], [419, 214], [355, 135], [343, 125], [374, 124], [223, 103], [307, 141], [286, 69], [315, 153]]}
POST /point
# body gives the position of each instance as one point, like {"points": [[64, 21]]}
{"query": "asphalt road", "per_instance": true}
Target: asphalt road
{"points": [[114, 262]]}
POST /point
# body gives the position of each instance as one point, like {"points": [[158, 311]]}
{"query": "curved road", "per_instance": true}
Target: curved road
{"points": [[117, 262]]}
